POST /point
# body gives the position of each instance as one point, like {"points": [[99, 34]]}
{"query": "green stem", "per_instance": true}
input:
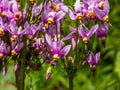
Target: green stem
{"points": [[71, 82], [20, 74]]}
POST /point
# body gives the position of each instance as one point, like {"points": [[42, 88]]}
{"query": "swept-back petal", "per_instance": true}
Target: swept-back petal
{"points": [[51, 14], [92, 31], [26, 25], [13, 27], [97, 57], [72, 29], [59, 15], [90, 57], [77, 5], [64, 8], [99, 13], [69, 36], [14, 6], [63, 52], [81, 32], [71, 14], [106, 6], [73, 43], [48, 39]]}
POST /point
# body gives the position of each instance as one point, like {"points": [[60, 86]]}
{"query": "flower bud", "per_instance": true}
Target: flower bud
{"points": [[84, 62], [16, 66], [48, 73], [4, 70], [70, 59]]}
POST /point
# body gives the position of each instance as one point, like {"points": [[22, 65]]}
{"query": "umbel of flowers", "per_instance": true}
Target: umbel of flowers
{"points": [[30, 32]]}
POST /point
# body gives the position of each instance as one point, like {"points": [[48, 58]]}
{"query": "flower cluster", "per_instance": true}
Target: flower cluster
{"points": [[36, 29]]}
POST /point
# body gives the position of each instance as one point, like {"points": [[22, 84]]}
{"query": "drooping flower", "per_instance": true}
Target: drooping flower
{"points": [[57, 49], [54, 17], [102, 14], [4, 49], [14, 31], [93, 59], [79, 11], [89, 12], [16, 47], [2, 27], [87, 34], [72, 36], [4, 7], [102, 31], [32, 30], [14, 12], [37, 9], [59, 6], [37, 44]]}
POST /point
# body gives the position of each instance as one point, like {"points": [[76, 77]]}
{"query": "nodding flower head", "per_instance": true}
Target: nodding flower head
{"points": [[93, 59], [101, 4], [57, 49], [4, 49], [102, 11], [79, 12], [91, 14], [16, 47], [31, 30], [50, 20], [1, 32], [17, 15], [54, 17], [37, 44], [102, 32], [87, 34], [79, 16]]}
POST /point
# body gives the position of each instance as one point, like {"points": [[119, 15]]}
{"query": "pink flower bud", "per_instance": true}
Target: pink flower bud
{"points": [[4, 70], [16, 67], [48, 73]]}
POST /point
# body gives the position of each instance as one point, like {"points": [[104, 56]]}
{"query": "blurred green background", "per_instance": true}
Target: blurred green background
{"points": [[107, 75]]}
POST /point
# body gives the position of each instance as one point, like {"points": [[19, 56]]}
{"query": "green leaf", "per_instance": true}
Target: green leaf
{"points": [[117, 64]]}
